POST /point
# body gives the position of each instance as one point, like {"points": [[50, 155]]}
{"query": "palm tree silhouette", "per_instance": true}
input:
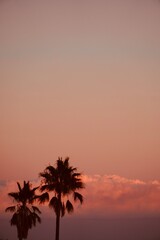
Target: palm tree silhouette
{"points": [[63, 181], [25, 214]]}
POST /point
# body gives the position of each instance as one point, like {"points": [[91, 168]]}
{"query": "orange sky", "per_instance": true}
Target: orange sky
{"points": [[80, 79]]}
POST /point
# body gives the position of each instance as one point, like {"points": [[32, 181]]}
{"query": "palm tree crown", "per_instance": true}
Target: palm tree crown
{"points": [[25, 214], [63, 181]]}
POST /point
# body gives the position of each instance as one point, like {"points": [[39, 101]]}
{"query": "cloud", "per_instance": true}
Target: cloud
{"points": [[105, 196], [113, 195]]}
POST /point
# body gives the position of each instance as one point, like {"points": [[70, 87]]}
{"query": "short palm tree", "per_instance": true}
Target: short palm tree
{"points": [[25, 214], [63, 181]]}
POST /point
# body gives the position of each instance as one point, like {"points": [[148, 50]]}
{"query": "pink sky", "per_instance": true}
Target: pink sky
{"points": [[82, 79]]}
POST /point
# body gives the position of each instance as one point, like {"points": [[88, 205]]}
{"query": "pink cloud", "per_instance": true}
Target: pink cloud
{"points": [[108, 195], [111, 194]]}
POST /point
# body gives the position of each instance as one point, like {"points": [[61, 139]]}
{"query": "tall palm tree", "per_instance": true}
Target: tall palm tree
{"points": [[25, 214], [63, 181]]}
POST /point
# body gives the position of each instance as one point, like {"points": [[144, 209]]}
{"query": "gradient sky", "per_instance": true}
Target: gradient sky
{"points": [[82, 79]]}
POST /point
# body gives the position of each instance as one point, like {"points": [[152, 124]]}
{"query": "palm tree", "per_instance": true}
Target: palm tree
{"points": [[25, 214], [63, 181]]}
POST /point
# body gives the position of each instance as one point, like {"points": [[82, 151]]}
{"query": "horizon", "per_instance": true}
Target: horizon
{"points": [[110, 202]]}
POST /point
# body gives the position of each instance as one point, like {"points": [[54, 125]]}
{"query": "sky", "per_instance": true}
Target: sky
{"points": [[82, 79]]}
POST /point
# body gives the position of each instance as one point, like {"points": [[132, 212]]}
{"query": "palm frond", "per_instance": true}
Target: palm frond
{"points": [[78, 196], [73, 169], [48, 187], [10, 209], [36, 209], [79, 184], [52, 170], [75, 175], [43, 187], [45, 175], [54, 204], [62, 209], [14, 219], [60, 165], [19, 186], [38, 218], [35, 218], [14, 195], [66, 162], [69, 207], [43, 198], [34, 189]]}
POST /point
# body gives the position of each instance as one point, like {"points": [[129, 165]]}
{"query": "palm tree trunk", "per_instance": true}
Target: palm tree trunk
{"points": [[58, 217], [57, 226]]}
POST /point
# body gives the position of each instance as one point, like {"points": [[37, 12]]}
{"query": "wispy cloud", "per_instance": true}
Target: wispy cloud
{"points": [[108, 195], [112, 194]]}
